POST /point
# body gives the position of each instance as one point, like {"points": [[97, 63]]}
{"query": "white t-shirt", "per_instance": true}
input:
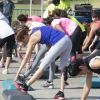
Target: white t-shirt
{"points": [[36, 24], [5, 30], [2, 17]]}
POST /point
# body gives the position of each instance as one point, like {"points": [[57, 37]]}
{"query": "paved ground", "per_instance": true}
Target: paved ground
{"points": [[72, 92]]}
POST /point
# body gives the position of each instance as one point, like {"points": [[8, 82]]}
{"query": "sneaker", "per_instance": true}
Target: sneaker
{"points": [[59, 95], [5, 71], [17, 85], [20, 56], [21, 78], [2, 65], [49, 85], [31, 59], [23, 88]]}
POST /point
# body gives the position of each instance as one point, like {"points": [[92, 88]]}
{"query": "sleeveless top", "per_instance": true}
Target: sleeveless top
{"points": [[48, 35], [95, 22], [88, 59]]}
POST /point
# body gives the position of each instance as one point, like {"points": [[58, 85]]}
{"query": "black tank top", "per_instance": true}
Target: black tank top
{"points": [[88, 59]]}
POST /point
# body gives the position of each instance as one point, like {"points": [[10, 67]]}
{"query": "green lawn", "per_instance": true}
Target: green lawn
{"points": [[95, 3]]}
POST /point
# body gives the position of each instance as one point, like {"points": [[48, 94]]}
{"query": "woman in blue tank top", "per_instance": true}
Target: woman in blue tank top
{"points": [[57, 42], [84, 67]]}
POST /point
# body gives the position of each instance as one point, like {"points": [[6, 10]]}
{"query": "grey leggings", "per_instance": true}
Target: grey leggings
{"points": [[34, 65]]}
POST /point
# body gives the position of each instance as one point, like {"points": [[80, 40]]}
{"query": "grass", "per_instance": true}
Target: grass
{"points": [[95, 3]]}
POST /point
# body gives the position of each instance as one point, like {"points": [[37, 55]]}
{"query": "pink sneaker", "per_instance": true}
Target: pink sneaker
{"points": [[21, 56], [2, 66], [31, 59]]}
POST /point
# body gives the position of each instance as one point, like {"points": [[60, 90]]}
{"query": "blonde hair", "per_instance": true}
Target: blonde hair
{"points": [[20, 32]]}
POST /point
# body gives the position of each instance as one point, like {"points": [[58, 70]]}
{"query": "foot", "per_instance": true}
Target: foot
{"points": [[2, 65], [48, 84], [5, 71], [21, 78], [22, 87], [59, 95], [17, 85]]}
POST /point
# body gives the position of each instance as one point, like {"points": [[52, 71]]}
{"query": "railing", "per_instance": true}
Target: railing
{"points": [[18, 11]]}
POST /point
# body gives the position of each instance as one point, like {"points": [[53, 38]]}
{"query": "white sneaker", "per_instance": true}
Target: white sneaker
{"points": [[5, 71]]}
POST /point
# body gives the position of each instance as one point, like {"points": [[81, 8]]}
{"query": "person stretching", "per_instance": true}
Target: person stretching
{"points": [[84, 67], [59, 44]]}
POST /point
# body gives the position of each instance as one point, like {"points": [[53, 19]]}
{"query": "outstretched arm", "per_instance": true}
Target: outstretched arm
{"points": [[92, 32], [32, 41], [87, 86]]}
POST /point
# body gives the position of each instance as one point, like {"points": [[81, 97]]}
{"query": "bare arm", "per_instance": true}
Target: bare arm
{"points": [[87, 86], [85, 40], [32, 41], [58, 27], [95, 38], [92, 32]]}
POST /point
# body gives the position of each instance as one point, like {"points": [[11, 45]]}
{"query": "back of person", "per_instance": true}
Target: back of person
{"points": [[68, 25], [32, 25], [89, 60], [76, 21], [5, 29], [36, 18], [49, 37]]}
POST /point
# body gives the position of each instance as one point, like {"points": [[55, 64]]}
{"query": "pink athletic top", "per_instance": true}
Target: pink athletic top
{"points": [[68, 25], [35, 18], [95, 22]]}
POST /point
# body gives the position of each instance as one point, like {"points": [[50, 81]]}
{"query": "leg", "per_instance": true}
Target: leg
{"points": [[10, 43], [51, 72], [53, 53], [3, 56], [77, 33], [49, 82], [79, 49], [35, 63]]}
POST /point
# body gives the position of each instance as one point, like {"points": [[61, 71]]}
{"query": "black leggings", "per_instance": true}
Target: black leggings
{"points": [[10, 41], [75, 37], [79, 49]]}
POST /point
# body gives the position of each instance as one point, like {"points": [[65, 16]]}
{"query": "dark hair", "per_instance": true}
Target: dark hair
{"points": [[22, 17], [95, 15], [57, 12], [60, 13], [98, 32], [47, 20], [56, 2], [73, 68]]}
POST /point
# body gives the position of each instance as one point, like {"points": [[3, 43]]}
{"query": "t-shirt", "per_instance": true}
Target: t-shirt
{"points": [[7, 8], [50, 8], [68, 25], [64, 4], [2, 17], [36, 24], [5, 30], [36, 18]]}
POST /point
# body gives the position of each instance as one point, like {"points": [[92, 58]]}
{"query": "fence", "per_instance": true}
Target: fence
{"points": [[18, 11]]}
